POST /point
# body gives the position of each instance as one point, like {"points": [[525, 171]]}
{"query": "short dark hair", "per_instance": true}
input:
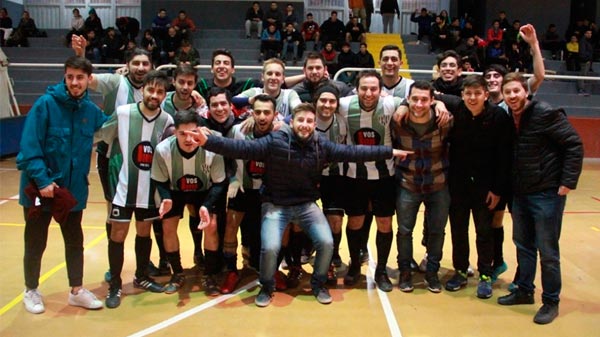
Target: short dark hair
{"points": [[368, 73], [390, 47], [222, 51], [497, 68], [157, 77], [333, 12], [450, 53], [265, 98], [215, 91], [473, 81], [304, 107], [186, 116], [313, 55], [309, 14], [515, 77], [76, 62], [422, 85], [135, 52], [185, 69]]}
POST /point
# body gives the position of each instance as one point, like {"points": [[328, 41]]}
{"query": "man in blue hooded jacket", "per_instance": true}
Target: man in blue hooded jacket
{"points": [[54, 159]]}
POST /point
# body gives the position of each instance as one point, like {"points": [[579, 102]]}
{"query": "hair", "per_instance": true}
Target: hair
{"points": [[497, 68], [515, 77], [185, 43], [135, 52], [256, 3], [221, 51], [450, 53], [265, 98], [186, 116], [473, 81], [334, 12], [326, 88], [309, 14], [162, 10], [184, 69], [304, 107], [273, 60], [215, 91], [421, 85], [182, 12], [313, 55], [363, 44], [390, 47], [156, 77], [368, 73], [76, 62]]}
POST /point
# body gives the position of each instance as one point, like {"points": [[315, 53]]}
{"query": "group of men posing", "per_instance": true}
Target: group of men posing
{"points": [[375, 151]]}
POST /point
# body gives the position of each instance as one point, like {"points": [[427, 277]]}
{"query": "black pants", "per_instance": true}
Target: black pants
{"points": [[471, 200], [36, 236]]}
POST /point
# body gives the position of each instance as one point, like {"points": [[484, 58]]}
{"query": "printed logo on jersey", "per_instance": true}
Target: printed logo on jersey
{"points": [[255, 169], [142, 155], [384, 119], [366, 136], [189, 183]]}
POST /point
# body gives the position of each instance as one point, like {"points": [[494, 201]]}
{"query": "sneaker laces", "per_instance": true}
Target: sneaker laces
{"points": [[35, 296]]}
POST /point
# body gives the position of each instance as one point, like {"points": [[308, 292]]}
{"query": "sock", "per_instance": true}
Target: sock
{"points": [[297, 240], [116, 257], [211, 262], [498, 234], [366, 230], [143, 247], [158, 237], [230, 260], [196, 234], [337, 239], [174, 259], [384, 245], [354, 243], [108, 229]]}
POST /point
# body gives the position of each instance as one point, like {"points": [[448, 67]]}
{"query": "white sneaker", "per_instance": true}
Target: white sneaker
{"points": [[33, 301], [85, 299], [423, 264]]}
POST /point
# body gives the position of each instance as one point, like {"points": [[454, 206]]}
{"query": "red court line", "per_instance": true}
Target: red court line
{"points": [[597, 199]]}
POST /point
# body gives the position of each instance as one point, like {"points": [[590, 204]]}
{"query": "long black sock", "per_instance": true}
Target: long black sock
{"points": [[498, 234], [212, 261], [384, 245], [295, 247], [337, 239], [354, 243], [365, 230], [116, 256], [230, 260], [158, 237], [194, 221], [174, 259], [143, 247], [108, 229]]}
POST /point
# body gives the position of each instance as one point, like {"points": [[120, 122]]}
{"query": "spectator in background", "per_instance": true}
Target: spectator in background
{"points": [[77, 26], [389, 9], [369, 11], [274, 16], [6, 25], [440, 40], [424, 20], [290, 16], [130, 46], [270, 44], [113, 47], [468, 49], [254, 19], [445, 18], [330, 56], [149, 43], [27, 25], [170, 46], [495, 33], [572, 58], [92, 47], [503, 21], [355, 32], [128, 27], [359, 11], [160, 26], [586, 54], [311, 31], [495, 54], [333, 30], [184, 25], [187, 54], [515, 58], [511, 33], [467, 31], [291, 40], [93, 22], [551, 41], [454, 33], [346, 59], [364, 59]]}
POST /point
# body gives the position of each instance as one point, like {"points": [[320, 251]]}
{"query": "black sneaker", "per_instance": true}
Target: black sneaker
{"points": [[405, 283], [433, 282], [147, 283], [113, 299], [199, 260], [210, 286], [383, 281], [517, 297], [322, 295], [153, 270], [174, 284], [353, 275], [294, 276], [457, 281], [547, 313], [264, 297]]}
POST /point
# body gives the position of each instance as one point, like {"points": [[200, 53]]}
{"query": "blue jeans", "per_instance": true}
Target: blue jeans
{"points": [[437, 205], [312, 221], [286, 49], [537, 221]]}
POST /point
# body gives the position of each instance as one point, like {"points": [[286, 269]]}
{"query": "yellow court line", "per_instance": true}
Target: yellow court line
{"points": [[50, 273], [51, 226], [594, 228]]}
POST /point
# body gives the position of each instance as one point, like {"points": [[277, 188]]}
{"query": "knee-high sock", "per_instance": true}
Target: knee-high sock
{"points": [[337, 239], [194, 221], [354, 244], [365, 230], [158, 237], [116, 256], [143, 247], [384, 245], [174, 259]]}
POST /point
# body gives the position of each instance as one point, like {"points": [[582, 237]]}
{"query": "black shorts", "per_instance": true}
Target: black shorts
{"points": [[244, 201], [332, 194], [181, 199], [380, 193], [124, 214]]}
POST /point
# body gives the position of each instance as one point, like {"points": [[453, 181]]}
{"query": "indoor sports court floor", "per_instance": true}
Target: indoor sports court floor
{"points": [[363, 311]]}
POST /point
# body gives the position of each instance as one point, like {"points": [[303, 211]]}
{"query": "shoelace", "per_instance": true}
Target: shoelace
{"points": [[35, 296]]}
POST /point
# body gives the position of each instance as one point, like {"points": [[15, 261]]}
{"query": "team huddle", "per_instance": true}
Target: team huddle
{"points": [[256, 157]]}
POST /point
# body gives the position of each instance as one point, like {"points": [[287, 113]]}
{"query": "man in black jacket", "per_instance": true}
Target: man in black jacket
{"points": [[547, 161], [290, 198], [586, 53]]}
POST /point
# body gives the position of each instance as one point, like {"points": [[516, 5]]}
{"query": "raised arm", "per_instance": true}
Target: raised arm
{"points": [[528, 34]]}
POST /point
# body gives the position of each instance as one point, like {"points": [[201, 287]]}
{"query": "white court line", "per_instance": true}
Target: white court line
{"points": [[14, 197], [193, 311], [385, 301]]}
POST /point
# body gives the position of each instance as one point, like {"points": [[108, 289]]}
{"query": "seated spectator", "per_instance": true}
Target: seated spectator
{"points": [[292, 40], [18, 38], [184, 25], [364, 59], [113, 47], [468, 49], [77, 26], [93, 22], [333, 30], [130, 46], [511, 33], [572, 57], [424, 20], [274, 16], [170, 46], [494, 33], [92, 47], [254, 19], [290, 16], [27, 25], [440, 40], [515, 58], [346, 59], [149, 43], [467, 64], [551, 41], [467, 31], [355, 32], [311, 31], [502, 20], [330, 56], [160, 26], [270, 44], [128, 27], [495, 54], [187, 54], [454, 33], [6, 26]]}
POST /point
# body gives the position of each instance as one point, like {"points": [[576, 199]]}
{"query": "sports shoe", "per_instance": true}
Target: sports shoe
{"points": [[153, 270], [423, 264], [352, 276], [107, 276], [33, 301], [484, 288], [546, 314], [517, 297], [433, 282], [457, 281], [147, 283], [113, 299], [280, 281], [499, 270], [383, 281], [331, 275], [405, 283], [264, 297], [211, 289], [230, 282], [470, 271], [85, 299], [294, 276], [336, 260], [176, 282], [322, 295]]}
